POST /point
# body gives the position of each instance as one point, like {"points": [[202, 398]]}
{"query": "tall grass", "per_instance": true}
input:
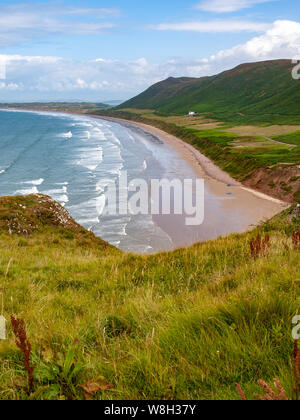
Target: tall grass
{"points": [[185, 324]]}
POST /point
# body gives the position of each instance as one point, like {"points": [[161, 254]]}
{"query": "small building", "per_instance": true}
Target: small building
{"points": [[192, 114]]}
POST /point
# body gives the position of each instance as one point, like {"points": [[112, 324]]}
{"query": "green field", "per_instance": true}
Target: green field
{"points": [[185, 324], [258, 149], [292, 138]]}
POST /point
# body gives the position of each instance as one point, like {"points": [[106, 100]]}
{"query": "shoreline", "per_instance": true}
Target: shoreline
{"points": [[193, 156], [201, 163], [240, 212], [230, 206]]}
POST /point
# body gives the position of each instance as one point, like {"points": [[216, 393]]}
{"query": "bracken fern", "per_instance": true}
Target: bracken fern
{"points": [[278, 394], [24, 345]]}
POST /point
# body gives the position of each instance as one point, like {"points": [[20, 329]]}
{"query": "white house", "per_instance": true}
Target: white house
{"points": [[192, 114]]}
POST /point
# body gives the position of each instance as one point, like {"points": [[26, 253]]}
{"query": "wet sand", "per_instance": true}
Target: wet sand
{"points": [[229, 206]]}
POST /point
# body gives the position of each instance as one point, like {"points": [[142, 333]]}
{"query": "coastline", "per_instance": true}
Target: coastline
{"points": [[204, 166], [241, 211], [230, 207]]}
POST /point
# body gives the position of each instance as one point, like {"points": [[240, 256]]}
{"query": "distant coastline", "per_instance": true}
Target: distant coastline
{"points": [[201, 163]]}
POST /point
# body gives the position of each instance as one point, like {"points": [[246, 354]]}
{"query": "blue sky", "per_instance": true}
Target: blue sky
{"points": [[102, 50]]}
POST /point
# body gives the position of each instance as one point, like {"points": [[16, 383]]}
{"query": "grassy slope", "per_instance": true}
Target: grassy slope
{"points": [[257, 93], [186, 324], [292, 138]]}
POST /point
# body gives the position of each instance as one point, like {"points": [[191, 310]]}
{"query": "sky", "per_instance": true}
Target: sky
{"points": [[100, 50]]}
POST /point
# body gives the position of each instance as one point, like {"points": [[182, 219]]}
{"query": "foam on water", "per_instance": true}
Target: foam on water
{"points": [[34, 182], [91, 157], [88, 212], [59, 194], [29, 190], [115, 139], [79, 174], [67, 135], [82, 124], [99, 133], [100, 204], [26, 191]]}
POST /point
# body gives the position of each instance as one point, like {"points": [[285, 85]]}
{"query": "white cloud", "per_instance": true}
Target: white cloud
{"points": [[226, 6], [9, 86], [50, 78], [215, 26], [19, 22], [282, 40], [29, 59], [5, 61]]}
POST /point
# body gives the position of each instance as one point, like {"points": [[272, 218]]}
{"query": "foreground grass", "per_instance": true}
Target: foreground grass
{"points": [[186, 324]]}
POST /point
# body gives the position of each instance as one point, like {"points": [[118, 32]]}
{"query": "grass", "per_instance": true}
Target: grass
{"points": [[291, 138], [297, 195], [185, 324]]}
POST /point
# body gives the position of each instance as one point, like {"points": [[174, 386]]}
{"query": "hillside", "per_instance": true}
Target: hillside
{"points": [[186, 324], [255, 92], [160, 94]]}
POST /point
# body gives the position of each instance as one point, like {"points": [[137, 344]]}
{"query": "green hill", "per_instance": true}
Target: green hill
{"points": [[187, 324], [263, 91]]}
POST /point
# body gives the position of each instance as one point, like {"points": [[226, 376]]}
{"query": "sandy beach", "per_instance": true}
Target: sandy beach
{"points": [[239, 208], [202, 164]]}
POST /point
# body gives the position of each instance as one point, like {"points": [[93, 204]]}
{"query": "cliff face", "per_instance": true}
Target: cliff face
{"points": [[281, 182]]}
